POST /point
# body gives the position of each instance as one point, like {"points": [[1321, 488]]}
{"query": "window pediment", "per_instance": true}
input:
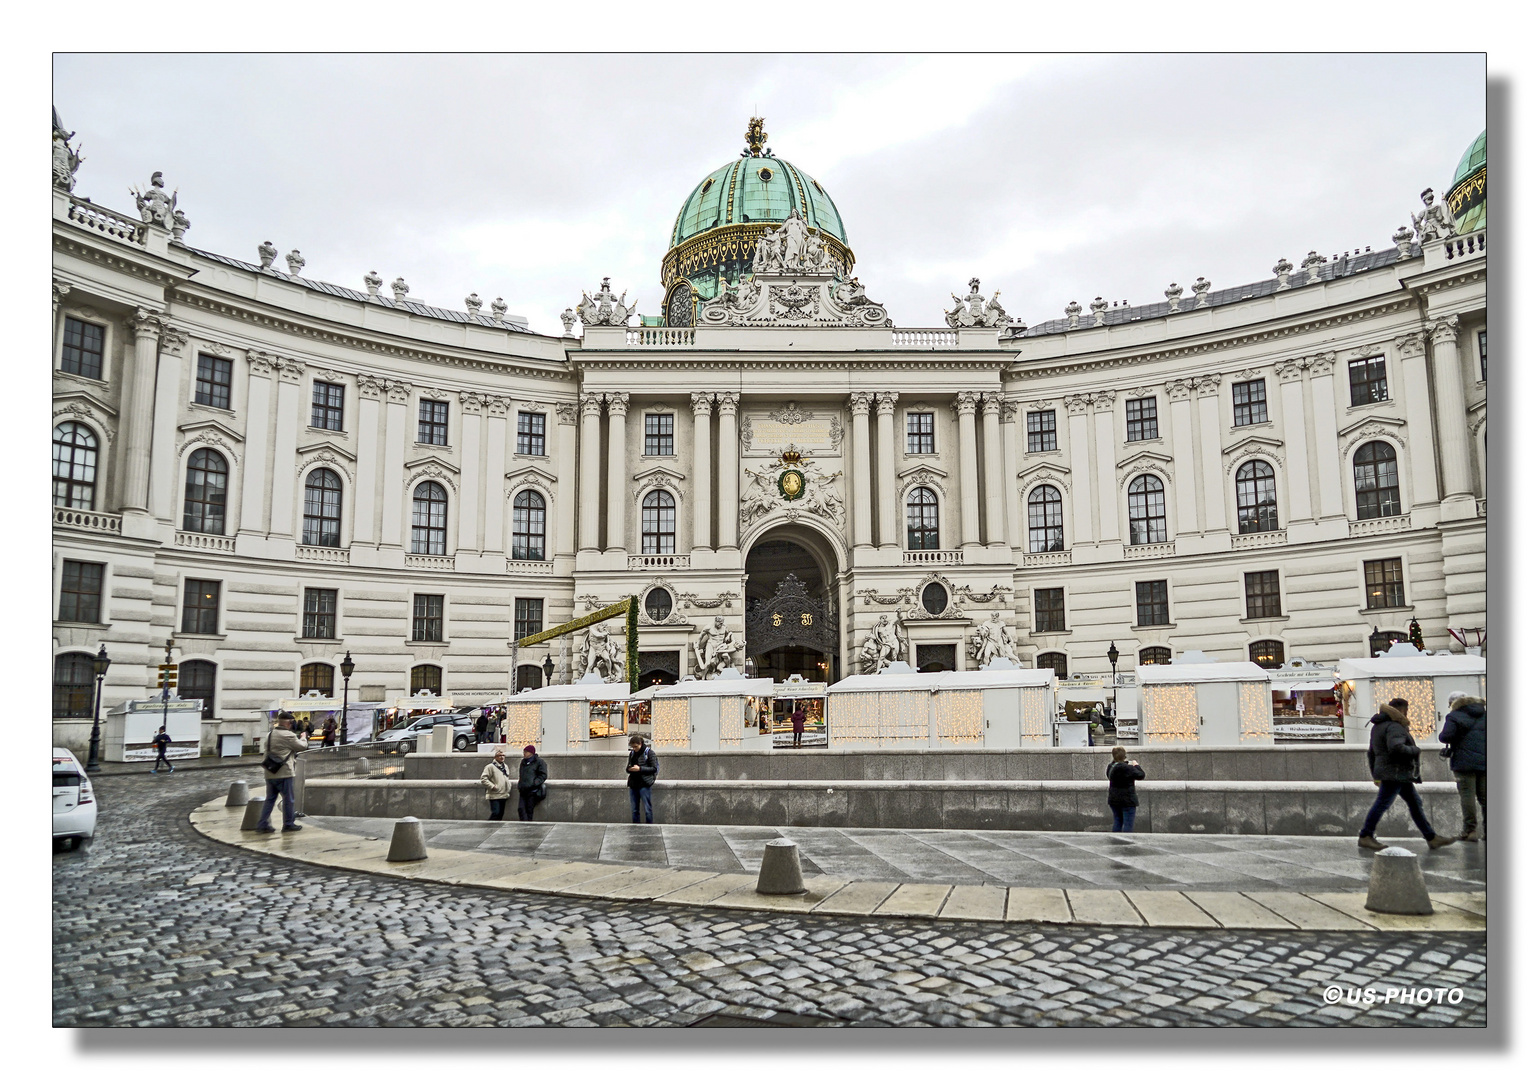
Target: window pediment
{"points": [[203, 428], [74, 401], [1351, 429], [316, 447]]}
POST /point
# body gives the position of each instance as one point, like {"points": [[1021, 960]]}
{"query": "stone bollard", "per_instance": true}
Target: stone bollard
{"points": [[1395, 885], [239, 795], [361, 767], [781, 871], [253, 815], [406, 843]]}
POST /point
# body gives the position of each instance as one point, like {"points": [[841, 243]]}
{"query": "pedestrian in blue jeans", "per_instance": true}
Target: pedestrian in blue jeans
{"points": [[641, 774], [1121, 796], [1394, 762], [281, 747]]}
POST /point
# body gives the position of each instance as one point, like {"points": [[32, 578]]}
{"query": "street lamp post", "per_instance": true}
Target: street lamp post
{"points": [[1112, 654], [549, 668], [347, 676], [100, 665]]}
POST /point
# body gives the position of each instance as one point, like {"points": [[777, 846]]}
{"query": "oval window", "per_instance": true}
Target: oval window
{"points": [[934, 598], [765, 174], [659, 604]]}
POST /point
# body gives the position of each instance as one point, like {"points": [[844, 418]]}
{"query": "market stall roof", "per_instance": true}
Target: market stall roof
{"points": [[884, 683], [1389, 667], [419, 703], [1167, 674], [716, 688], [577, 691], [306, 704], [997, 677]]}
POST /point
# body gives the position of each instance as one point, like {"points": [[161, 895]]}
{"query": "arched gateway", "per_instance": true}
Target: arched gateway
{"points": [[791, 622]]}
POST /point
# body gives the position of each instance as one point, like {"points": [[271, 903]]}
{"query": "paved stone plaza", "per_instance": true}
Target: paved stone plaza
{"points": [[157, 925]]}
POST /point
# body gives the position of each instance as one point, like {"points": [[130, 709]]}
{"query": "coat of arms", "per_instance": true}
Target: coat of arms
{"points": [[792, 482]]}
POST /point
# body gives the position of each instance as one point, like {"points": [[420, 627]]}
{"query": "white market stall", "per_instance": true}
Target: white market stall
{"points": [[585, 715], [729, 712], [1003, 706], [131, 725], [1304, 703], [312, 705], [1205, 702], [812, 698], [887, 710], [1366, 684]]}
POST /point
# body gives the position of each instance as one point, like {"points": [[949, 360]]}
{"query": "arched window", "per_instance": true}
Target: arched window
{"points": [[195, 679], [1154, 654], [923, 520], [316, 677], [1044, 519], [1267, 654], [1255, 488], [74, 466], [429, 519], [204, 497], [528, 525], [1376, 479], [429, 677], [657, 513], [74, 683], [1146, 510], [1058, 661], [323, 509]]}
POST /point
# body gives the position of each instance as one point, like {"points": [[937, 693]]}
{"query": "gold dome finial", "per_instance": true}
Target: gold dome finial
{"points": [[755, 135]]}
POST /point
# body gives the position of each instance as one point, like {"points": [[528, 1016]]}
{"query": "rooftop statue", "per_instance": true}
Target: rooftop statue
{"points": [[155, 206], [974, 310], [789, 287], [1435, 222], [66, 159], [604, 309]]}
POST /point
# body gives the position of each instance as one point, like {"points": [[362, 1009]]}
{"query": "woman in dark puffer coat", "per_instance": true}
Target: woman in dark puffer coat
{"points": [[1464, 731], [1393, 760]]}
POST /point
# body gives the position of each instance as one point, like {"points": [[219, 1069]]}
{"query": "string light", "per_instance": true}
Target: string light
{"points": [[959, 715], [1422, 713], [1170, 713], [576, 722], [730, 711], [1255, 711], [670, 722], [1036, 712], [524, 724]]}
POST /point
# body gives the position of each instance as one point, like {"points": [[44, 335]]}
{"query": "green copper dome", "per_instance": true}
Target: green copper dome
{"points": [[1467, 195], [755, 190]]}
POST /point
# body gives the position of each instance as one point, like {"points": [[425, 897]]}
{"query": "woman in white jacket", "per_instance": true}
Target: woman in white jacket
{"points": [[498, 784]]}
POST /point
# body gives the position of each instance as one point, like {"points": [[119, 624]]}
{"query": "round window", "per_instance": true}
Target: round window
{"points": [[659, 604], [934, 598], [765, 174]]}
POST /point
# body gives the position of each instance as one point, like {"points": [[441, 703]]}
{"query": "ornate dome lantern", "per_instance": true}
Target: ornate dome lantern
{"points": [[719, 225], [1467, 196]]}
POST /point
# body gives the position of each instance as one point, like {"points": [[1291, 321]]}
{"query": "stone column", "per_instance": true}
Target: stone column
{"points": [[1081, 472], [1214, 509], [470, 470], [163, 457], [1106, 465], [1448, 379], [139, 411], [1012, 462], [285, 443], [370, 390], [254, 483], [860, 470], [495, 476], [565, 509], [727, 466], [1184, 494], [588, 489], [391, 535], [615, 536], [993, 469], [700, 473], [1322, 389], [1422, 463], [967, 443], [1290, 376], [887, 527]]}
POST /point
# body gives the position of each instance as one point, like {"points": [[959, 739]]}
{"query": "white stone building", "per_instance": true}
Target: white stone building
{"points": [[272, 472]]}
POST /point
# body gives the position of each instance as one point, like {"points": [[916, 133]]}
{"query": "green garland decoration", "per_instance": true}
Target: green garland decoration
{"points": [[632, 654]]}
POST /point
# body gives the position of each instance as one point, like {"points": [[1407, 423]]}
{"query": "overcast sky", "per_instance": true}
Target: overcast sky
{"points": [[530, 178]]}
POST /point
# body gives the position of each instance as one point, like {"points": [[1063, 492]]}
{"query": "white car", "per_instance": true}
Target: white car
{"points": [[74, 803], [403, 740]]}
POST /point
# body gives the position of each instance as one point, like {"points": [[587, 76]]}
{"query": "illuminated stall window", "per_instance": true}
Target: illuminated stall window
{"points": [[1170, 713]]}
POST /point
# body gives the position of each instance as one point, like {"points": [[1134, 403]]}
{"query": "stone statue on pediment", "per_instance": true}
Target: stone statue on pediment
{"points": [[882, 647], [715, 649], [603, 308], [66, 159], [1435, 222], [155, 206], [992, 640], [974, 310], [603, 654]]}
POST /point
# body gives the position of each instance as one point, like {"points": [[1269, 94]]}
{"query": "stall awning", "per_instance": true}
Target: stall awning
{"points": [[305, 705], [1280, 686]]}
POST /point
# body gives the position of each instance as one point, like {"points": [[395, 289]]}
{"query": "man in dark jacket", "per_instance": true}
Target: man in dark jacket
{"points": [[1464, 730], [531, 783], [1122, 797], [162, 740], [641, 774], [1393, 759]]}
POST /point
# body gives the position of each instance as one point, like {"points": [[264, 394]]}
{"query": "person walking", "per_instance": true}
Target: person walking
{"points": [[498, 784], [798, 723], [1394, 761], [1121, 795], [160, 742], [480, 726], [531, 782], [329, 732], [280, 748], [1464, 732], [641, 774]]}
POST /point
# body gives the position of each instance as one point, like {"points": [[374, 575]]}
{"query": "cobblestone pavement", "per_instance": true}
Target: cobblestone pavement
{"points": [[156, 925]]}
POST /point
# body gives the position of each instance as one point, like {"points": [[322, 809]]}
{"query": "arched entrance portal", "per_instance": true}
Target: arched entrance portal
{"points": [[791, 625]]}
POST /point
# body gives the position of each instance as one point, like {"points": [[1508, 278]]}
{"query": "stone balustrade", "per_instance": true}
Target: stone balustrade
{"points": [[1469, 246], [89, 520], [430, 562], [90, 216], [1149, 551], [658, 562], [1380, 526], [1046, 558], [949, 557], [532, 567], [321, 554], [660, 335], [924, 339], [205, 542], [1270, 538]]}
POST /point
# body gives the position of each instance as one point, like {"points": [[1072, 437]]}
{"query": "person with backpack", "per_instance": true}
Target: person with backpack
{"points": [[1121, 795], [279, 749], [1394, 759], [1464, 733], [160, 742], [641, 774], [531, 782]]}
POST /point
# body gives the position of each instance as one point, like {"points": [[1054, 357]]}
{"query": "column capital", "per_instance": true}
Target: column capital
{"points": [[1410, 345], [1207, 385], [618, 403], [262, 363], [371, 387], [60, 291], [1445, 330], [592, 404], [145, 323], [1007, 410], [700, 402], [1179, 389], [726, 402], [1322, 363], [1076, 403], [860, 403], [290, 369], [966, 403], [993, 400], [497, 406], [886, 402], [398, 392], [173, 339], [471, 403], [566, 412], [1104, 400], [1288, 370]]}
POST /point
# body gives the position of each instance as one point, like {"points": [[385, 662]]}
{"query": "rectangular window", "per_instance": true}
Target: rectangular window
{"points": [[921, 433], [1153, 610], [326, 406], [1041, 431], [1263, 595], [427, 618], [531, 433], [433, 422], [200, 607], [1481, 340], [213, 385], [528, 616], [1250, 402], [320, 614], [80, 592], [659, 435], [1049, 603], [1366, 377], [82, 348], [1143, 423], [1386, 583]]}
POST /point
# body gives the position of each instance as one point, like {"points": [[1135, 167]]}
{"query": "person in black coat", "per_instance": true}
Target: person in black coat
{"points": [[1464, 732], [641, 774], [1122, 797], [531, 783], [1394, 761]]}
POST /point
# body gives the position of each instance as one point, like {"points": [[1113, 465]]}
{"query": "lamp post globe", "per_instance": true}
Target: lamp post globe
{"points": [[549, 668], [99, 665], [1112, 654]]}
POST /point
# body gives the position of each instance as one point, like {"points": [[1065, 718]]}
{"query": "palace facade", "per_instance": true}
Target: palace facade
{"points": [[272, 472]]}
